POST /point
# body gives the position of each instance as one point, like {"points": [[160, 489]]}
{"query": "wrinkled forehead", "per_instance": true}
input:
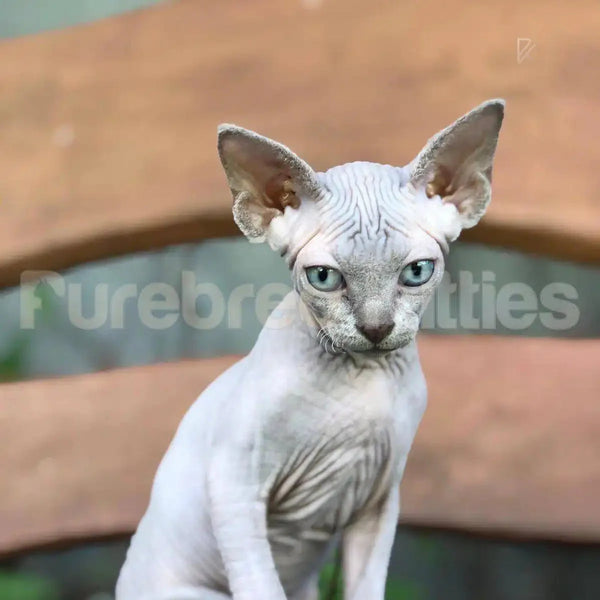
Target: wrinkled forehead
{"points": [[363, 214]]}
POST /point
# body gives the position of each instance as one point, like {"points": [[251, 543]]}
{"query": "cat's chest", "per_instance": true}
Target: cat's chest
{"points": [[332, 449], [323, 484]]}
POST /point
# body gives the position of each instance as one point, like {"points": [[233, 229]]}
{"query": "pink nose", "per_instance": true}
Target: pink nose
{"points": [[376, 333]]}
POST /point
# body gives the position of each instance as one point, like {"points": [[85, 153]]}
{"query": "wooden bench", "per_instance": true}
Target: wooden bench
{"points": [[108, 147]]}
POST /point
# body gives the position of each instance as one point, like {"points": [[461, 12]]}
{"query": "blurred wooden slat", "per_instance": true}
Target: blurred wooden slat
{"points": [[510, 443], [107, 140], [78, 453]]}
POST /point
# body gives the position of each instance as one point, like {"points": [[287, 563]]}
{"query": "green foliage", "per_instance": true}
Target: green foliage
{"points": [[399, 589], [330, 577], [396, 589], [11, 362], [21, 587]]}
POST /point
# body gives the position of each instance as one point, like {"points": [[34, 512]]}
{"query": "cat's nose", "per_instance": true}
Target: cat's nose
{"points": [[375, 333]]}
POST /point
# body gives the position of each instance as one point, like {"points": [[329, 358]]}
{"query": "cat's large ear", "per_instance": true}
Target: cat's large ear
{"points": [[264, 176], [456, 163]]}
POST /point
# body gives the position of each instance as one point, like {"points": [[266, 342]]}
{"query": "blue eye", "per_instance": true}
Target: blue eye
{"points": [[324, 279], [417, 273]]}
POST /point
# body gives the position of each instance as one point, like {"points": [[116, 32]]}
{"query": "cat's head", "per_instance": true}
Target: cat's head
{"points": [[365, 241]]}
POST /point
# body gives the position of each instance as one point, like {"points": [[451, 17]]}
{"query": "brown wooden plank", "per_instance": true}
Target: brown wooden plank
{"points": [[108, 130], [510, 443], [78, 453]]}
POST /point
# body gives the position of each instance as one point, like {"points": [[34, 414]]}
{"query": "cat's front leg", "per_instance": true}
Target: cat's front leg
{"points": [[366, 547], [239, 519]]}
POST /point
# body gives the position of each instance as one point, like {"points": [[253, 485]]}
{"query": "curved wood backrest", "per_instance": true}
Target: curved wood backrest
{"points": [[504, 448], [108, 130], [108, 147]]}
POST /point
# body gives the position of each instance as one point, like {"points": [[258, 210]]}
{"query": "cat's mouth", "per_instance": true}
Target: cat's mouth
{"points": [[375, 350], [383, 349]]}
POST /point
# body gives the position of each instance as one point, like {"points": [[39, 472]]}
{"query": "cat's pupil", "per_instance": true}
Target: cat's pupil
{"points": [[416, 269], [322, 275]]}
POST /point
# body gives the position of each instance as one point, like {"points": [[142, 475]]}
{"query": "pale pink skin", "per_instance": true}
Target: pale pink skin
{"points": [[303, 443]]}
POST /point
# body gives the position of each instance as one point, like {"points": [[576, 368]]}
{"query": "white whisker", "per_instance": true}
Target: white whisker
{"points": [[327, 343]]}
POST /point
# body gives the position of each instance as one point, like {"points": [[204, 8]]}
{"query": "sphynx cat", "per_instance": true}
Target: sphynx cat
{"points": [[302, 444]]}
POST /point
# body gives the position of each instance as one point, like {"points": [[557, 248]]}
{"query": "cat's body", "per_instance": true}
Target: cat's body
{"points": [[324, 457], [303, 443]]}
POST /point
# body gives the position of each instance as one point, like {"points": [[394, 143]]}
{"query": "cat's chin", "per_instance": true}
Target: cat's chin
{"points": [[375, 352]]}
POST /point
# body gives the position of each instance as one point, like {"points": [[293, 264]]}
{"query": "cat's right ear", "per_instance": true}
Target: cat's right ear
{"points": [[265, 177]]}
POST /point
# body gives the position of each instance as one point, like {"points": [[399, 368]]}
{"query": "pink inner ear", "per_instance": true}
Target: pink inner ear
{"points": [[441, 184], [280, 193], [270, 177]]}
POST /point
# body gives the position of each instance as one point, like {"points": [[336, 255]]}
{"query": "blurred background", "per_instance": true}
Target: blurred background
{"points": [[71, 171]]}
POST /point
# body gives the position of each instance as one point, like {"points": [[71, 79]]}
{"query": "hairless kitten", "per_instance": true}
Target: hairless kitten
{"points": [[302, 444]]}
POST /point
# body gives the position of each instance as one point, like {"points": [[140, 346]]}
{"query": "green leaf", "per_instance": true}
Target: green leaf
{"points": [[12, 363], [402, 589], [396, 589], [14, 586], [326, 582]]}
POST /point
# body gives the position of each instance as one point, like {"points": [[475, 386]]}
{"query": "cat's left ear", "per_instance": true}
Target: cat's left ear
{"points": [[456, 163], [265, 177]]}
